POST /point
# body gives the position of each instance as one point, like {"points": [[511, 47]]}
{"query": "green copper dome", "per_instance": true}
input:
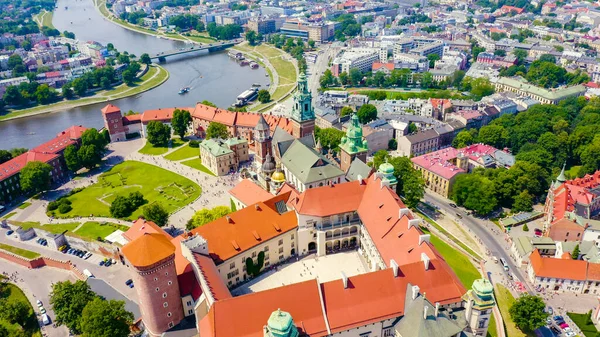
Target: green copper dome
{"points": [[386, 168], [353, 142], [483, 288], [281, 324]]}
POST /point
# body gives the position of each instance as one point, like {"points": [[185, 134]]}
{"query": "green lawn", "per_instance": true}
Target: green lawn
{"points": [[24, 205], [21, 252], [462, 266], [91, 230], [505, 299], [31, 328], [7, 216], [197, 164], [52, 228], [201, 39], [441, 229], [156, 184], [589, 330], [572, 172], [157, 151], [183, 153]]}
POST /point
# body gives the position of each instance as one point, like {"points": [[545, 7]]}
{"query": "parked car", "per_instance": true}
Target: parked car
{"points": [[550, 311], [39, 303], [45, 319], [131, 285], [128, 282], [42, 310], [558, 318], [101, 263], [452, 205], [108, 263], [87, 255], [9, 232]]}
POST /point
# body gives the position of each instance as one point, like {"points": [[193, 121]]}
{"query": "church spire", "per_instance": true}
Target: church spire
{"points": [[561, 177]]}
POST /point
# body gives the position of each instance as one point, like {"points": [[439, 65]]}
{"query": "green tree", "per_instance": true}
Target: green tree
{"points": [[264, 96], [17, 151], [494, 135], [205, 102], [355, 76], [412, 128], [14, 60], [523, 202], [67, 91], [463, 139], [528, 312], [145, 59], [128, 77], [205, 216], [474, 192], [80, 86], [500, 52], [393, 144], [366, 113], [158, 133], [413, 189], [432, 58], [217, 130], [251, 37], [343, 78], [5, 156], [326, 79], [330, 137], [15, 311], [181, 122], [102, 318], [68, 301], [44, 94], [480, 87], [69, 35], [121, 207], [89, 156], [35, 177], [575, 253], [13, 96], [311, 44], [72, 158], [546, 74], [346, 111], [156, 213], [520, 54]]}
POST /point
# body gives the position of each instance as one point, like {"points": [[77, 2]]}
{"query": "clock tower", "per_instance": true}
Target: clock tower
{"points": [[303, 114]]}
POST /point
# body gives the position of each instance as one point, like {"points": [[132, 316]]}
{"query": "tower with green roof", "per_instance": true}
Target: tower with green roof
{"points": [[353, 145], [280, 324], [303, 114], [386, 172], [562, 178], [479, 304]]}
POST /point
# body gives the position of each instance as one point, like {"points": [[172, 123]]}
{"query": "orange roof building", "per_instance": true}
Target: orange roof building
{"points": [[248, 193]]}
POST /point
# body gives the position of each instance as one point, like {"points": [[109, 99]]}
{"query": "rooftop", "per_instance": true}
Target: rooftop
{"points": [[248, 192], [148, 249]]}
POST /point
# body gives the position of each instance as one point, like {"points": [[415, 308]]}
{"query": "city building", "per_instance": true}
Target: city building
{"points": [[542, 95], [563, 274], [303, 114], [223, 156], [361, 59], [262, 25], [418, 143], [319, 32]]}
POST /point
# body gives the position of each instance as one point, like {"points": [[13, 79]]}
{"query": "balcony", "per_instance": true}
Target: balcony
{"points": [[331, 236], [338, 224]]}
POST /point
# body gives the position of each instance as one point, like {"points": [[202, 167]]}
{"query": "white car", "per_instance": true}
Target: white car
{"points": [[43, 310], [39, 303]]}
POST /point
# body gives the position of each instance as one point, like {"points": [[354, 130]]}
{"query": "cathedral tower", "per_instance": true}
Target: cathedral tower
{"points": [[303, 114], [262, 140], [353, 145]]}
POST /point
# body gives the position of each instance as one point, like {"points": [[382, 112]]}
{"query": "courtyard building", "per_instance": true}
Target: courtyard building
{"points": [[223, 156]]}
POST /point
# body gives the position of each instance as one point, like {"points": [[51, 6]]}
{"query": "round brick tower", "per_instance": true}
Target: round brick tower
{"points": [[152, 258]]}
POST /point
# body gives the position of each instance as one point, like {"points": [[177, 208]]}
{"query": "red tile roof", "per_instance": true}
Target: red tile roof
{"points": [[109, 108], [141, 227], [216, 286], [329, 200], [67, 137], [558, 268], [249, 193], [130, 119], [378, 65], [163, 115], [15, 165], [233, 234], [574, 191], [148, 249], [243, 119], [439, 163]]}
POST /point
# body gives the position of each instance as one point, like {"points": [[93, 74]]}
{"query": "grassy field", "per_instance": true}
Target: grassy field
{"points": [[18, 251], [147, 82], [156, 151], [572, 172], [7, 216], [441, 229], [92, 230], [24, 205], [44, 18], [589, 330], [505, 299], [156, 184], [52, 228], [183, 153], [197, 164], [31, 328]]}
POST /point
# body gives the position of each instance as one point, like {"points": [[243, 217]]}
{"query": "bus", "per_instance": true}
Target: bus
{"points": [[504, 264]]}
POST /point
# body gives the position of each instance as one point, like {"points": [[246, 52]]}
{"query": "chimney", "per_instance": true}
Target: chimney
{"points": [[345, 280], [425, 312], [437, 309], [426, 260], [394, 267], [414, 222], [403, 211], [257, 207], [229, 219], [424, 238], [415, 292]]}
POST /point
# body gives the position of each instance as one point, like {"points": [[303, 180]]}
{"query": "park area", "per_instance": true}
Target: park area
{"points": [[184, 152], [160, 150], [22, 323], [171, 190], [88, 231]]}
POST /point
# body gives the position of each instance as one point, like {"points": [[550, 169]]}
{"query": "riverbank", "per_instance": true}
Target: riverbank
{"points": [[100, 5], [281, 67], [155, 76], [44, 18]]}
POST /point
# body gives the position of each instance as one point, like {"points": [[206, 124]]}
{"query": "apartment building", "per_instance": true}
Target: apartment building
{"points": [[356, 58]]}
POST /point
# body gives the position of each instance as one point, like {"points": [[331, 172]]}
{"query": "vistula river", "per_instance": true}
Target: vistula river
{"points": [[213, 77]]}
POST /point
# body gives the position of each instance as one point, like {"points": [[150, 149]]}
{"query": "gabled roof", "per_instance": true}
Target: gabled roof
{"points": [[233, 234], [307, 165], [329, 200], [15, 165], [109, 108], [558, 268], [160, 114], [65, 138], [216, 286], [249, 192], [357, 169]]}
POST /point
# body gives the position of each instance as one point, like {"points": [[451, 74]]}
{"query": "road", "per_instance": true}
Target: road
{"points": [[494, 242], [318, 68]]}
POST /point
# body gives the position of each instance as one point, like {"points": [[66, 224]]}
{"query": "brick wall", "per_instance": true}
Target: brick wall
{"points": [[41, 262]]}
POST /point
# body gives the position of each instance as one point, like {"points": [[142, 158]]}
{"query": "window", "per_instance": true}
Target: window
{"points": [[280, 257], [189, 303], [169, 315], [292, 236], [165, 305], [170, 324], [267, 264], [156, 279], [164, 295], [280, 242], [156, 289], [232, 265], [166, 273], [280, 250], [253, 254], [170, 282], [190, 312], [266, 256], [266, 249]]}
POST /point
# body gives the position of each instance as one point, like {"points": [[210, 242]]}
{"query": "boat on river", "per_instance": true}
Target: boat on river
{"points": [[184, 90]]}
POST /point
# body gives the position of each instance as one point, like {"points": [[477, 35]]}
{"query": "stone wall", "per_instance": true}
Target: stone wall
{"points": [[41, 262]]}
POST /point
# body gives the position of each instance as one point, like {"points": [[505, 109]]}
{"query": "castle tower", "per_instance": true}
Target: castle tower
{"points": [[386, 171], [113, 122], [353, 145], [479, 304], [152, 258], [303, 114], [280, 324], [262, 140]]}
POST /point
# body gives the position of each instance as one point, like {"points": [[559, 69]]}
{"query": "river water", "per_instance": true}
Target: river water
{"points": [[213, 77]]}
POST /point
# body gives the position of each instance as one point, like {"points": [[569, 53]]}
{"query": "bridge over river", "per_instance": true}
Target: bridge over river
{"points": [[211, 47]]}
